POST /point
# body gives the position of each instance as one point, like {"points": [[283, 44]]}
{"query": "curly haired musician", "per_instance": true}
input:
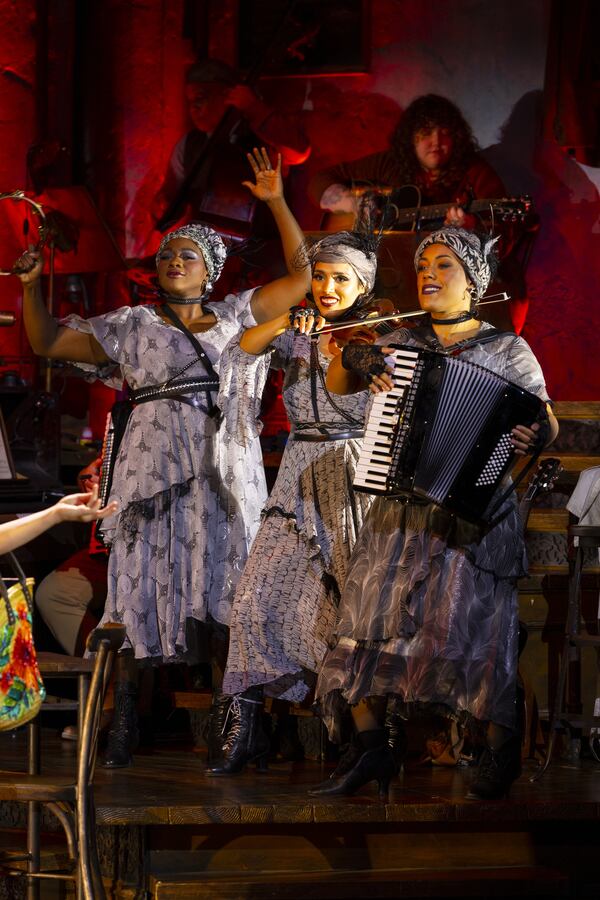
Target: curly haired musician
{"points": [[432, 148]]}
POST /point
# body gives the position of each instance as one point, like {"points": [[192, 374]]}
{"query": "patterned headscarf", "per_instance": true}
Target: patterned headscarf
{"points": [[210, 244], [474, 251], [350, 247]]}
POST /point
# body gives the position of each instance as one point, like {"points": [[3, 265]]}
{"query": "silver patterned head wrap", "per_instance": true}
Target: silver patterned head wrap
{"points": [[349, 247], [210, 244], [474, 251]]}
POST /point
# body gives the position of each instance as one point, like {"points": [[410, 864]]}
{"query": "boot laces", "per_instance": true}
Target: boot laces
{"points": [[234, 714], [232, 723]]}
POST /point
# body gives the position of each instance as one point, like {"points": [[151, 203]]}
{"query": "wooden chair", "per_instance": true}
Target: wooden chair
{"points": [[588, 537], [71, 801]]}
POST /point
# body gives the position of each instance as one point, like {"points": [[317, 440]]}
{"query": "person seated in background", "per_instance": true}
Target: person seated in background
{"points": [[71, 598], [433, 151], [211, 87]]}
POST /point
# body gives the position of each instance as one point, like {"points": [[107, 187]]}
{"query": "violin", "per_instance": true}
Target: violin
{"points": [[373, 320]]}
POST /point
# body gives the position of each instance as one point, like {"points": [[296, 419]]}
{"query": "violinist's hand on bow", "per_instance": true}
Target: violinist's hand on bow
{"points": [[305, 320], [269, 184], [29, 267]]}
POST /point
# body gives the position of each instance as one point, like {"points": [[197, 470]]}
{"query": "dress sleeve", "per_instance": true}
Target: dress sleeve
{"points": [[281, 349], [524, 369], [237, 308], [111, 331]]}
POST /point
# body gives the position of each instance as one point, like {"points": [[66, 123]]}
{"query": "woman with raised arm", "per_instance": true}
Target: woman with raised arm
{"points": [[285, 606], [188, 476], [429, 611]]}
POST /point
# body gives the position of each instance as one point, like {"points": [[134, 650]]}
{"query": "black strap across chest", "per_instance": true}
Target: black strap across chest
{"points": [[172, 316]]}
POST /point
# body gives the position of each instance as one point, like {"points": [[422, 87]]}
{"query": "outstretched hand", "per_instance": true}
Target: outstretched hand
{"points": [[83, 507], [269, 184]]}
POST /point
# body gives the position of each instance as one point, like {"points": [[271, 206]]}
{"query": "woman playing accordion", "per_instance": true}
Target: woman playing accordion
{"points": [[429, 613]]}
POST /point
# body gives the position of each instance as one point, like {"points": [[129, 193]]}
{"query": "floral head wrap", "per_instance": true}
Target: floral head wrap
{"points": [[475, 252], [210, 244]]}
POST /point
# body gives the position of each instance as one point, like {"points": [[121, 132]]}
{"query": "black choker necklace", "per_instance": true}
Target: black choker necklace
{"points": [[463, 317], [182, 301]]}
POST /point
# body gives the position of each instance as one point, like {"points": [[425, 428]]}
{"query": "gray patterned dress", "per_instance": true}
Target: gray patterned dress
{"points": [[429, 611], [285, 606], [189, 491]]}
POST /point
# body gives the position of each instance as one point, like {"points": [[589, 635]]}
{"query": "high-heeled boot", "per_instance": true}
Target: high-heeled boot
{"points": [[123, 737], [375, 764], [496, 771], [215, 732], [246, 740]]}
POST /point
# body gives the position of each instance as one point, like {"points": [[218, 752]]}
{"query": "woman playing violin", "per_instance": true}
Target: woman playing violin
{"points": [[285, 608]]}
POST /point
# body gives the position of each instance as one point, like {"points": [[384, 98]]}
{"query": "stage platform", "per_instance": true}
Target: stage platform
{"points": [[166, 831]]}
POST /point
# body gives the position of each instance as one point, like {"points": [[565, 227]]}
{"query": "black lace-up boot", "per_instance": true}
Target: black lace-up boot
{"points": [[246, 741], [215, 731], [123, 737]]}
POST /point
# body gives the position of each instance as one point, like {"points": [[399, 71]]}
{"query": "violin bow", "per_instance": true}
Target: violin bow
{"points": [[353, 323]]}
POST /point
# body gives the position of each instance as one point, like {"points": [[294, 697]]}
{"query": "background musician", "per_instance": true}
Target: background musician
{"points": [[429, 610], [211, 89], [432, 148]]}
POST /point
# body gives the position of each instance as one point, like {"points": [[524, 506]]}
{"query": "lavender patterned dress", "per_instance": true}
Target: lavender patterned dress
{"points": [[429, 611], [189, 491], [285, 607]]}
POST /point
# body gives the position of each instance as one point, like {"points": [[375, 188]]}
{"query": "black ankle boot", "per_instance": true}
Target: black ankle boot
{"points": [[496, 771], [215, 731], [246, 741], [349, 756], [377, 765], [123, 736]]}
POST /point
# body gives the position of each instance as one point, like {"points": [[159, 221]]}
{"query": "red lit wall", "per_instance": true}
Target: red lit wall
{"points": [[487, 57]]}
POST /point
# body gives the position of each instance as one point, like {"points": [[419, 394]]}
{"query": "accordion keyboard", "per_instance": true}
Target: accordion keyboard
{"points": [[374, 463]]}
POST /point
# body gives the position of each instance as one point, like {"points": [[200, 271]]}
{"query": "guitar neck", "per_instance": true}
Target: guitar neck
{"points": [[429, 213]]}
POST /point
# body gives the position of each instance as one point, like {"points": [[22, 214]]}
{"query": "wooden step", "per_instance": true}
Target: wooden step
{"points": [[517, 881]]}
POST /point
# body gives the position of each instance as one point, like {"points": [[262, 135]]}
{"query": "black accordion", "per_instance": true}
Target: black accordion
{"points": [[443, 433]]}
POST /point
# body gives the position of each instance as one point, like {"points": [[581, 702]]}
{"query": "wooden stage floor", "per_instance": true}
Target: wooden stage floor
{"points": [[542, 841]]}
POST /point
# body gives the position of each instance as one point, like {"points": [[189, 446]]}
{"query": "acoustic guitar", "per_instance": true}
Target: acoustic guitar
{"points": [[386, 211]]}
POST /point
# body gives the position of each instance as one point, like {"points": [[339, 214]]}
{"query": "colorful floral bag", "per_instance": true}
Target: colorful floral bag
{"points": [[21, 688]]}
